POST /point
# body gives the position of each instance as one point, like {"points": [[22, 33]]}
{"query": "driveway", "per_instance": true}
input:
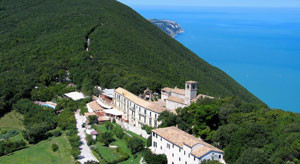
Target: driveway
{"points": [[85, 151]]}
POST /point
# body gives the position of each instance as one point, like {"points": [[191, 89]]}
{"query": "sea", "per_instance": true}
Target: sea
{"points": [[258, 47]]}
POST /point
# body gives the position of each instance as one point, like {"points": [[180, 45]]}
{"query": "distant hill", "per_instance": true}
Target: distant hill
{"points": [[170, 27], [41, 39]]}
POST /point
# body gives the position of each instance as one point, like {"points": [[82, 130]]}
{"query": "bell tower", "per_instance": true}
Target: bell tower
{"points": [[190, 91]]}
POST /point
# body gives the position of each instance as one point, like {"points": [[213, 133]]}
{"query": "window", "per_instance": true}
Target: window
{"points": [[150, 123], [220, 156], [160, 147], [154, 144], [179, 150], [179, 159], [193, 86], [150, 114], [189, 155], [160, 138], [184, 152], [172, 154], [194, 158], [145, 111], [168, 146], [173, 146], [185, 162], [187, 86], [139, 117], [153, 134]]}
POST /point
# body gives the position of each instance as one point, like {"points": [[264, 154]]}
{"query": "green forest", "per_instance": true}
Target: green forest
{"points": [[40, 40]]}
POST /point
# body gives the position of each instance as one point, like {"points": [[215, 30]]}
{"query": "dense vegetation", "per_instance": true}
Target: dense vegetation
{"points": [[247, 132], [40, 40]]}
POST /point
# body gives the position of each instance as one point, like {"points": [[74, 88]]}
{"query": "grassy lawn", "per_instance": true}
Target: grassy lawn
{"points": [[107, 153], [12, 120], [42, 153], [131, 161]]}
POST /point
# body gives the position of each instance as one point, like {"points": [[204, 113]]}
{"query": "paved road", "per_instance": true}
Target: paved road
{"points": [[85, 151]]}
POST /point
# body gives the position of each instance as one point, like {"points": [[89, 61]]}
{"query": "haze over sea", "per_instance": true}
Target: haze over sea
{"points": [[258, 47]]}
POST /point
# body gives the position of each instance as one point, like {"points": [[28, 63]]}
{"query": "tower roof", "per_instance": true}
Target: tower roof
{"points": [[191, 82]]}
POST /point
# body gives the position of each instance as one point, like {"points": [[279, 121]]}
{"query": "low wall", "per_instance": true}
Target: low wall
{"points": [[133, 129]]}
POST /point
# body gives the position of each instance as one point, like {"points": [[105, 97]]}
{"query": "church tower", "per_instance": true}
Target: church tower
{"points": [[190, 91]]}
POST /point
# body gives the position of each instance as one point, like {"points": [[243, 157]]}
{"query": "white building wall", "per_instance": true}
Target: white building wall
{"points": [[135, 114], [174, 105]]}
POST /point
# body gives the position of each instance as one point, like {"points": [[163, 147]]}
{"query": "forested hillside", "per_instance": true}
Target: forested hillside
{"points": [[41, 39]]}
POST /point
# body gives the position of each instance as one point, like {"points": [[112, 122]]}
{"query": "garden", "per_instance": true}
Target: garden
{"points": [[115, 145]]}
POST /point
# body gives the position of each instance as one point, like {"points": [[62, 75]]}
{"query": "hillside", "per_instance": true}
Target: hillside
{"points": [[41, 39]]}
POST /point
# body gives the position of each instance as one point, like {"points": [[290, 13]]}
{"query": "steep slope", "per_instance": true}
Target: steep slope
{"points": [[40, 39]]}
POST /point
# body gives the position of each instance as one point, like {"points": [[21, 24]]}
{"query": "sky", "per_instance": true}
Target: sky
{"points": [[214, 3]]}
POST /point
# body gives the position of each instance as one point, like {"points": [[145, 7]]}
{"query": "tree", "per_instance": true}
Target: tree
{"points": [[154, 159], [147, 128], [118, 131], [135, 145], [106, 138], [149, 141], [54, 147], [92, 119], [253, 156], [167, 119], [206, 121], [87, 86]]}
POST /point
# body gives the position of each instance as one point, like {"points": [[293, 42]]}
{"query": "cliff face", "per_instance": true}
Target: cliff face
{"points": [[39, 39], [170, 27]]}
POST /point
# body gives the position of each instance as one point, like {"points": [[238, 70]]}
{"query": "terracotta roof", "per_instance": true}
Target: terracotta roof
{"points": [[174, 90], [176, 99], [180, 138], [95, 106], [139, 101]]}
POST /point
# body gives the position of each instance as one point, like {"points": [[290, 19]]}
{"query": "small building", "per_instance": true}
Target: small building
{"points": [[183, 148], [75, 95], [180, 98]]}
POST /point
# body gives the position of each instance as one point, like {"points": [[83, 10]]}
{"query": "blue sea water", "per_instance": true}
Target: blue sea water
{"points": [[258, 47]]}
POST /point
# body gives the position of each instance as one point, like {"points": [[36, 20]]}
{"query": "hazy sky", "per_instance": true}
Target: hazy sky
{"points": [[218, 3]]}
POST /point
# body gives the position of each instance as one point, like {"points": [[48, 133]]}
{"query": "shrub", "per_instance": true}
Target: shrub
{"points": [[7, 146], [54, 147], [90, 140], [147, 128], [108, 125]]}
